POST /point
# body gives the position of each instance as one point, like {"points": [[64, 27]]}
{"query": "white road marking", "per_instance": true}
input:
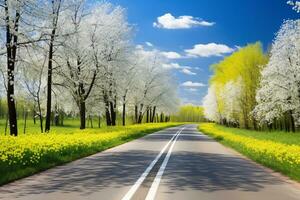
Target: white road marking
{"points": [[137, 184], [152, 191], [166, 134]]}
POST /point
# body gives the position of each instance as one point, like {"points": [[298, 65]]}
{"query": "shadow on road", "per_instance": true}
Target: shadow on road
{"points": [[212, 172], [86, 175]]}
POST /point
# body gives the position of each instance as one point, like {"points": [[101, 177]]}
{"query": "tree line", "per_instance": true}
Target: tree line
{"points": [[257, 90], [189, 113], [78, 58]]}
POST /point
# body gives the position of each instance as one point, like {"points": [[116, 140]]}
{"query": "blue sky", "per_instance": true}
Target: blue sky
{"points": [[236, 23]]}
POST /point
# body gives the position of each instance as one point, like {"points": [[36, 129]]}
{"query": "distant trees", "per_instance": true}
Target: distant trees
{"points": [[75, 59], [189, 113]]}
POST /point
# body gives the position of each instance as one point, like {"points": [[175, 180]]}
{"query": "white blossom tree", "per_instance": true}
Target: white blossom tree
{"points": [[210, 105], [20, 23], [279, 92]]}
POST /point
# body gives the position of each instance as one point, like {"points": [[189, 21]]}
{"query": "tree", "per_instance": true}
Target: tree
{"points": [[152, 84], [210, 105], [279, 93], [33, 68], [17, 17], [235, 81], [55, 5], [91, 54]]}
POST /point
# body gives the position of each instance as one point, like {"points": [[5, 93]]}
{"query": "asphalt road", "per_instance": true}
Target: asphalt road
{"points": [[176, 163]]}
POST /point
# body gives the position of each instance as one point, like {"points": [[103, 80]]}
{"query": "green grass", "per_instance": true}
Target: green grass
{"points": [[34, 152], [277, 150], [69, 125], [276, 136]]}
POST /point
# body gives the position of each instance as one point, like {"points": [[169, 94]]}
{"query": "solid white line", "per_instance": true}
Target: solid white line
{"points": [[137, 184], [152, 191]]}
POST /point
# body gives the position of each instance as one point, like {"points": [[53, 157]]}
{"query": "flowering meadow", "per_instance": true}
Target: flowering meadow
{"points": [[277, 150], [26, 154]]}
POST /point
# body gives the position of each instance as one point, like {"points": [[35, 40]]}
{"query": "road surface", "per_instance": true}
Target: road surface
{"points": [[176, 163]]}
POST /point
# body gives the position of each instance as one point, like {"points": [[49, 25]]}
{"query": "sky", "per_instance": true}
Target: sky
{"points": [[194, 34]]}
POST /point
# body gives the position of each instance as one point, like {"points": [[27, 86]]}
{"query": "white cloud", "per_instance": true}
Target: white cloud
{"points": [[171, 54], [168, 21], [172, 66], [207, 50], [149, 44], [139, 47], [193, 84], [183, 69], [188, 72], [192, 89]]}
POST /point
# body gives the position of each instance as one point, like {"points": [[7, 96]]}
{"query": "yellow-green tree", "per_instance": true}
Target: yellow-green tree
{"points": [[236, 79]]}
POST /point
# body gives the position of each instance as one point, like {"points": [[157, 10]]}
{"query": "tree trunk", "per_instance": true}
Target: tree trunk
{"points": [[107, 113], [292, 122], [82, 114], [11, 47], [124, 114], [56, 119], [25, 122], [140, 118], [91, 121], [107, 116], [99, 121], [147, 115], [34, 112], [113, 113], [6, 124], [153, 114], [40, 115], [161, 117], [136, 114], [61, 118], [150, 114], [55, 15], [49, 84]]}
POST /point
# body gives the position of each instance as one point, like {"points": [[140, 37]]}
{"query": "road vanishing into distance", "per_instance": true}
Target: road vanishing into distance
{"points": [[175, 163]]}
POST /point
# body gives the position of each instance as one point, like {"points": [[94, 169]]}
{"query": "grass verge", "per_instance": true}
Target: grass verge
{"points": [[28, 154], [277, 150]]}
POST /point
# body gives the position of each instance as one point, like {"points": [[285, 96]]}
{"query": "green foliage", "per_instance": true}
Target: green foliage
{"points": [[189, 113]]}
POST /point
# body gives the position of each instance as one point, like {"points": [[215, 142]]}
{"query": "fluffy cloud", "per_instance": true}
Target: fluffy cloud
{"points": [[168, 21], [171, 55], [188, 72], [191, 84], [207, 50]]}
